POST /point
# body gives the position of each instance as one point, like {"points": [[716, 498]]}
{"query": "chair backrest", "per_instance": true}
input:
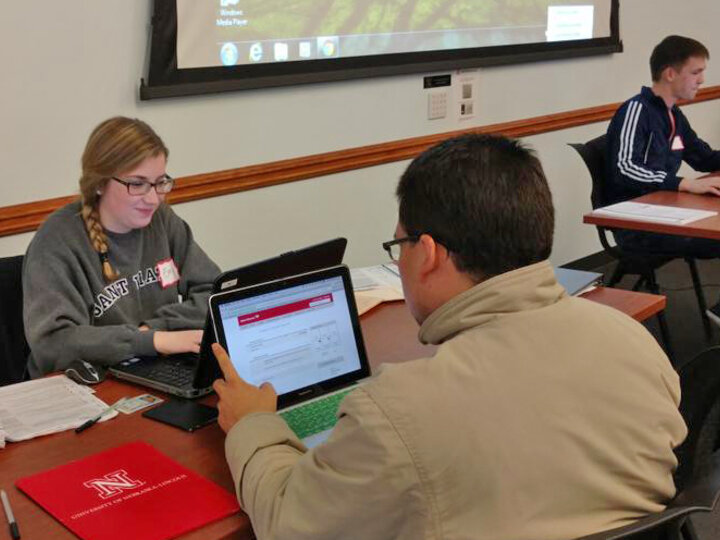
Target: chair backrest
{"points": [[593, 154], [14, 349], [700, 407]]}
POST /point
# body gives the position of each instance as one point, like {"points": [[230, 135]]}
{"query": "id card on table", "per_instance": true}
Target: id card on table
{"points": [[138, 403]]}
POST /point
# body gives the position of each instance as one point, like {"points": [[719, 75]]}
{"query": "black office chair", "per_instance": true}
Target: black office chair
{"points": [[628, 263], [14, 349], [698, 475], [673, 523], [700, 407]]}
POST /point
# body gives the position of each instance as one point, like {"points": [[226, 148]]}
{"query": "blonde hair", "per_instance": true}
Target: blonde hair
{"points": [[115, 146]]}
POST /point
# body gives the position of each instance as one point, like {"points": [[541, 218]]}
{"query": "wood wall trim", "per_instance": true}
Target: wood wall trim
{"points": [[28, 216]]}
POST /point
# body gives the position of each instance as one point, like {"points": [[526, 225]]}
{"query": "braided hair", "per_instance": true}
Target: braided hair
{"points": [[116, 145]]}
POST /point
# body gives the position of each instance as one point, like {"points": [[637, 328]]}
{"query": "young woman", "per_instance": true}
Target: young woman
{"points": [[117, 273]]}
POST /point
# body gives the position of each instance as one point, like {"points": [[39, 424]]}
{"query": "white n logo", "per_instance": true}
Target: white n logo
{"points": [[113, 483]]}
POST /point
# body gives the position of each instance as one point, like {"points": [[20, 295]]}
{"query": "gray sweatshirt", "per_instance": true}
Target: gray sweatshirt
{"points": [[71, 313]]}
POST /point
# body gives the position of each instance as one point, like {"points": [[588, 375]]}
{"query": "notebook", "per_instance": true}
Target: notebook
{"points": [[302, 334], [191, 375], [576, 281], [132, 491]]}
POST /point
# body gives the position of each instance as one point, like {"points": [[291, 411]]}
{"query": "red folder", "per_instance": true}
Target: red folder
{"points": [[132, 491]]}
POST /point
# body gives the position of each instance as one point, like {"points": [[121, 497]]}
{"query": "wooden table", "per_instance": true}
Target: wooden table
{"points": [[390, 336], [703, 228], [640, 306]]}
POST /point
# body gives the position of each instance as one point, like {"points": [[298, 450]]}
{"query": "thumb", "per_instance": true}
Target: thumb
{"points": [[268, 387]]}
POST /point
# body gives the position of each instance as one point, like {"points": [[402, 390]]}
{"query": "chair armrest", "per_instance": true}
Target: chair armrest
{"points": [[614, 251], [641, 525], [701, 495]]}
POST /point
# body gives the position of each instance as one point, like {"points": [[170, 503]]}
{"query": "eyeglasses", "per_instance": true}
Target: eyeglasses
{"points": [[393, 246], [138, 187]]}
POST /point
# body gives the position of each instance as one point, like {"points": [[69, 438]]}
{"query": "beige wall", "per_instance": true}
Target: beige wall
{"points": [[70, 64]]}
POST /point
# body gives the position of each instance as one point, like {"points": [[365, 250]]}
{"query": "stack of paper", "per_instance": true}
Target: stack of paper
{"points": [[374, 285], [42, 406], [653, 213]]}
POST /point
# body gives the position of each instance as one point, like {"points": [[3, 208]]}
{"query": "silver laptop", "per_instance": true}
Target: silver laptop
{"points": [[302, 334], [191, 375]]}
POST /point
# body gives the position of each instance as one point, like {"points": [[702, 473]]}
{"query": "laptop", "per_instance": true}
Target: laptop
{"points": [[191, 375], [302, 334]]}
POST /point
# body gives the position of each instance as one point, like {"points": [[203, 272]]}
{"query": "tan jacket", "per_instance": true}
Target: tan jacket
{"points": [[541, 416]]}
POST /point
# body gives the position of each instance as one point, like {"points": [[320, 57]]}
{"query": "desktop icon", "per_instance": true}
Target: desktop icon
{"points": [[305, 49], [256, 52], [228, 54], [328, 46], [225, 3], [281, 51]]}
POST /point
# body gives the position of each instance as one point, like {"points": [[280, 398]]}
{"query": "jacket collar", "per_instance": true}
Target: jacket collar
{"points": [[527, 288], [655, 100]]}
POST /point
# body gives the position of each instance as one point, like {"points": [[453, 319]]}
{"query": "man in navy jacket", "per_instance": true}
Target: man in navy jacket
{"points": [[648, 139]]}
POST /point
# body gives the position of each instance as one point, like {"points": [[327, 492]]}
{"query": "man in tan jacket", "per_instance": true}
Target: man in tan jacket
{"points": [[541, 416]]}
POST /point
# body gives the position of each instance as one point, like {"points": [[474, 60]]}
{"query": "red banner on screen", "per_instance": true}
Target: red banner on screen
{"points": [[308, 303]]}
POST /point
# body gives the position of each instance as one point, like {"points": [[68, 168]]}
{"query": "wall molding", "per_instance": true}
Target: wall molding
{"points": [[27, 217]]}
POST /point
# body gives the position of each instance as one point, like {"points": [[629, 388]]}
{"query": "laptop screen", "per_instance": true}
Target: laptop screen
{"points": [[308, 259], [294, 333]]}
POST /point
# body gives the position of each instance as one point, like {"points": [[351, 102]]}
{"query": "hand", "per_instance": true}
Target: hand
{"points": [[143, 328], [238, 398], [180, 341], [701, 186]]}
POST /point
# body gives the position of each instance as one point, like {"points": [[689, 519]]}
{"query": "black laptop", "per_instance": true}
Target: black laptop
{"points": [[191, 375]]}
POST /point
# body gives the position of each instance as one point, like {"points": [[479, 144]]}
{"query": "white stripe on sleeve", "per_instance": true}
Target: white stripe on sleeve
{"points": [[627, 142]]}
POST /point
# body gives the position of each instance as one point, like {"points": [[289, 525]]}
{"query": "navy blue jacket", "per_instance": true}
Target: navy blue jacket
{"points": [[640, 158]]}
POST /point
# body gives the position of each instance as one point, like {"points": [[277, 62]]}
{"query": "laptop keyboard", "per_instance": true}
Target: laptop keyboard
{"points": [[315, 417], [178, 372]]}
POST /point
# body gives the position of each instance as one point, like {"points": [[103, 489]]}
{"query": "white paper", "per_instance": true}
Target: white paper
{"points": [[585, 290], [42, 406], [365, 303], [376, 277], [374, 285], [655, 213]]}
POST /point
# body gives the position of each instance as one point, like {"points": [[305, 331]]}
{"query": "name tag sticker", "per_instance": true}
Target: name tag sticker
{"points": [[677, 143], [167, 273]]}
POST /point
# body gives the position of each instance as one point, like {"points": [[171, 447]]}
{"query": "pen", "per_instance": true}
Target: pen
{"points": [[98, 416], [14, 531]]}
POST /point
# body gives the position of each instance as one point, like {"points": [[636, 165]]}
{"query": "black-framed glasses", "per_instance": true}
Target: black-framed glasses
{"points": [[138, 187], [393, 246]]}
